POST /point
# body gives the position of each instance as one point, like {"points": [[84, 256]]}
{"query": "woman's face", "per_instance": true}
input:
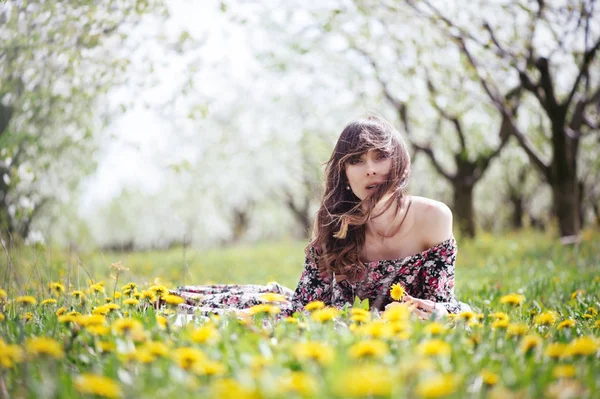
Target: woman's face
{"points": [[366, 171]]}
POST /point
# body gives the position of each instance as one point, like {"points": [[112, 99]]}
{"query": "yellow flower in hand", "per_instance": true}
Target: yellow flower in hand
{"points": [[397, 292]]}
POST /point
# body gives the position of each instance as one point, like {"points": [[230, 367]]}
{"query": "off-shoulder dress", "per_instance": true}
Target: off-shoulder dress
{"points": [[426, 275]]}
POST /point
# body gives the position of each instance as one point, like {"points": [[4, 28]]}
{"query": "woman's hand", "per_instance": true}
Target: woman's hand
{"points": [[423, 308]]}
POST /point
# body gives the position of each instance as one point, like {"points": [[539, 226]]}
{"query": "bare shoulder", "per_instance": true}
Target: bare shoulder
{"points": [[433, 220]]}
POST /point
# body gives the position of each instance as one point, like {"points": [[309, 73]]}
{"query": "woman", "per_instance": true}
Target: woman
{"points": [[368, 235]]}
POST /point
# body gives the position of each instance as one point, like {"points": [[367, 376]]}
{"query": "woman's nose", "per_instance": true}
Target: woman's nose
{"points": [[371, 168]]}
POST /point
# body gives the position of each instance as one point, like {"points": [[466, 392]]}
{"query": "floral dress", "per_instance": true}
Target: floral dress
{"points": [[426, 275]]}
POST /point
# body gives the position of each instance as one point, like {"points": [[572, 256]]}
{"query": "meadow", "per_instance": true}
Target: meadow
{"points": [[83, 325]]}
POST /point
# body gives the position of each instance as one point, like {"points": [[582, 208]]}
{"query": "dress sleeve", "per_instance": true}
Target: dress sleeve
{"points": [[437, 277], [312, 286]]}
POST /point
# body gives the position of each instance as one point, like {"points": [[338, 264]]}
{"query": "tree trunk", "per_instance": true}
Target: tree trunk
{"points": [[463, 208], [518, 211], [565, 195]]}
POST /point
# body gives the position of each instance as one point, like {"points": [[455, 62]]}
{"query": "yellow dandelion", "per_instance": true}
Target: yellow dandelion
{"points": [[57, 288], [398, 313], [148, 296], [434, 347], [597, 324], [26, 317], [2, 317], [187, 358], [264, 308], [360, 318], [44, 346], [90, 320], [126, 326], [436, 387], [205, 334], [26, 300], [587, 316], [512, 299], [3, 295], [9, 355], [545, 318], [370, 348], [106, 347], [577, 293], [564, 371], [173, 299], [129, 286], [435, 328], [474, 324], [489, 378], [78, 294], [92, 384], [298, 382], [157, 348], [230, 388], [60, 311], [209, 367], [118, 295], [96, 288], [582, 346], [325, 314], [397, 292], [314, 305], [529, 342], [516, 329], [271, 297], [291, 320], [467, 316], [131, 302], [499, 316], [101, 310], [555, 350], [99, 331], [567, 324], [161, 321], [500, 324], [49, 301], [365, 380], [375, 329], [159, 290], [592, 310], [111, 307], [319, 352], [67, 318]]}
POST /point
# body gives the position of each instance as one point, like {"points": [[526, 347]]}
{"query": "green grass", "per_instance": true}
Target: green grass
{"points": [[261, 358]]}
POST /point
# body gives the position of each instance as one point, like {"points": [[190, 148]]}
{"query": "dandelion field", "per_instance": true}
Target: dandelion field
{"points": [[83, 325]]}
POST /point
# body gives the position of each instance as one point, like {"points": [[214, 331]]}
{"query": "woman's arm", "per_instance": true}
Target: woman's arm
{"points": [[437, 273]]}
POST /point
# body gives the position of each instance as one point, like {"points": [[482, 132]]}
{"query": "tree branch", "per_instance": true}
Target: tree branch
{"points": [[429, 152], [526, 145], [452, 118], [546, 84], [483, 161], [501, 51], [397, 104], [583, 70]]}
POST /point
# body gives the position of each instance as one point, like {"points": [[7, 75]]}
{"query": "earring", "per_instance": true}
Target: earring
{"points": [[347, 187]]}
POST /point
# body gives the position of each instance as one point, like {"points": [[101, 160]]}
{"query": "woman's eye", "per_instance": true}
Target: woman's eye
{"points": [[354, 161], [382, 155]]}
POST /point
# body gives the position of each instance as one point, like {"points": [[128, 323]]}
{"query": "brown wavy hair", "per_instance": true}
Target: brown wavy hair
{"points": [[340, 225]]}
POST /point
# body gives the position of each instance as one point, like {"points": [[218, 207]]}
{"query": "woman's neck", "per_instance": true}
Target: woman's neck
{"points": [[385, 222]]}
